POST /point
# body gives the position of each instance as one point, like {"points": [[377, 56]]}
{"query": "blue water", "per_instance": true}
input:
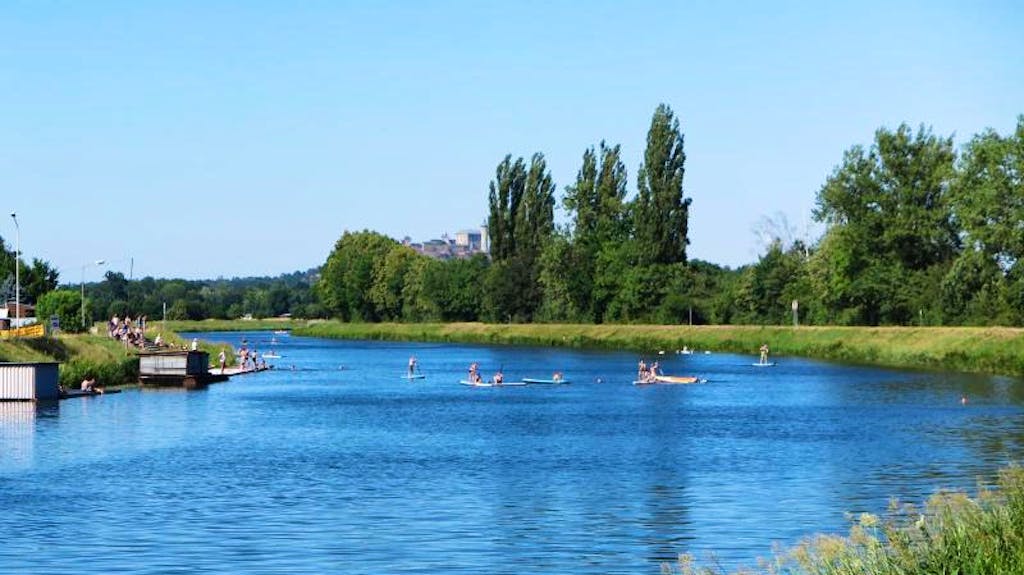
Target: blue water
{"points": [[332, 463]]}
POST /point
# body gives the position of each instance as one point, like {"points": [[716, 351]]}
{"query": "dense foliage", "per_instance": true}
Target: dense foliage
{"points": [[917, 233], [202, 299], [36, 279]]}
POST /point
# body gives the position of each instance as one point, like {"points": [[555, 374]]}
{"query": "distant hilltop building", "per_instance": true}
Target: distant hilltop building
{"points": [[466, 243]]}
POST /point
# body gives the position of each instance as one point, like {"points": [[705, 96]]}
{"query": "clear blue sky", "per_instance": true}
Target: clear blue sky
{"points": [[206, 139]]}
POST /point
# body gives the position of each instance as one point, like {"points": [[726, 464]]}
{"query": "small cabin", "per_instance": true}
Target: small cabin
{"points": [[29, 381], [176, 368]]}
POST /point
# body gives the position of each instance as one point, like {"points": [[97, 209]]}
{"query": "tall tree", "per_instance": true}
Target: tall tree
{"points": [[520, 223], [595, 203], [535, 220], [347, 278], [506, 193], [988, 198], [661, 212], [889, 224]]}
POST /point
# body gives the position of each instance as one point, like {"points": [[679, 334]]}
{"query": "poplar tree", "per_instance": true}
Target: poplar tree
{"points": [[506, 193], [661, 212], [598, 224], [520, 223]]}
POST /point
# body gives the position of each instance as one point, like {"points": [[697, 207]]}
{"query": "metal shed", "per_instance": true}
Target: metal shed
{"points": [[176, 368], [30, 381]]}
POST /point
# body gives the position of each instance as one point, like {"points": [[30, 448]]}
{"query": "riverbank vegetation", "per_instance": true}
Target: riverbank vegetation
{"points": [[227, 325], [980, 350], [953, 533], [79, 355], [105, 359]]}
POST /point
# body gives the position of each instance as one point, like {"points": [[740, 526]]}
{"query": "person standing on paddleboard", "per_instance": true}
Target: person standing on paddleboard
{"points": [[764, 353], [412, 366]]}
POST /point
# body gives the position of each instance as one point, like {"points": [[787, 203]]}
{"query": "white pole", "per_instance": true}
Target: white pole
{"points": [[82, 300], [17, 271]]}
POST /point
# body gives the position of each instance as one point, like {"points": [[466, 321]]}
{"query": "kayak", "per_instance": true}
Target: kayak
{"points": [[491, 385], [545, 381]]}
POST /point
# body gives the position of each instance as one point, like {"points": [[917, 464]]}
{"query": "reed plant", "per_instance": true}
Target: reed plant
{"points": [[952, 534]]}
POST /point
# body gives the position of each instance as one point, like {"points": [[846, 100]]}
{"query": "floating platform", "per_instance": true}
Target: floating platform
{"points": [[192, 381], [188, 369], [79, 393]]}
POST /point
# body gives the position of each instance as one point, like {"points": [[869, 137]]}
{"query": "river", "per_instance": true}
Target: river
{"points": [[333, 463]]}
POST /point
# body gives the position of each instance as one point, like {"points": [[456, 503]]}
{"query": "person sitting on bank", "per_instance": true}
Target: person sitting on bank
{"points": [[89, 385]]}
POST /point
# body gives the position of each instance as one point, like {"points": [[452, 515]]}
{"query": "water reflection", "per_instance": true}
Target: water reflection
{"points": [[18, 422]]}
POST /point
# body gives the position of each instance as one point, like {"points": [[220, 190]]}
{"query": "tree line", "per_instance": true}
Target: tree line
{"points": [[177, 299], [917, 232]]}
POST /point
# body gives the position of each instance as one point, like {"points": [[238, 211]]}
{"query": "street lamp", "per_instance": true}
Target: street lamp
{"points": [[17, 272], [97, 263]]}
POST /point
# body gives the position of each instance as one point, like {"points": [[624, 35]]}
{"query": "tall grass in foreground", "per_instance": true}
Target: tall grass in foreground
{"points": [[953, 534]]}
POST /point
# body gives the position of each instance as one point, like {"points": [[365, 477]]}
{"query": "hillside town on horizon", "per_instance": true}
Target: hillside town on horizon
{"points": [[466, 243]]}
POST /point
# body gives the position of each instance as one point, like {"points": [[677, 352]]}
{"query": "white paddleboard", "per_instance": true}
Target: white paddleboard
{"points": [[414, 376], [489, 384], [769, 364]]}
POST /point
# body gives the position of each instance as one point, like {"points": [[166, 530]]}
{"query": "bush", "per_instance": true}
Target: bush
{"points": [[954, 533], [117, 372]]}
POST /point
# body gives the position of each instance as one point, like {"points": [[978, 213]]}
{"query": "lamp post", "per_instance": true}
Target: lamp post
{"points": [[17, 271], [98, 263]]}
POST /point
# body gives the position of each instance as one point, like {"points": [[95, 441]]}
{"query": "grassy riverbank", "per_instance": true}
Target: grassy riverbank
{"points": [[224, 325], [953, 533], [79, 354], [980, 350], [106, 359]]}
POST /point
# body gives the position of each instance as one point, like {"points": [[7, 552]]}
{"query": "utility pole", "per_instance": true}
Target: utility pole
{"points": [[17, 271]]}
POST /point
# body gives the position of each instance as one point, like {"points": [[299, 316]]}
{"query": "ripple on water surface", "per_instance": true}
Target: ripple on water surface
{"points": [[339, 465]]}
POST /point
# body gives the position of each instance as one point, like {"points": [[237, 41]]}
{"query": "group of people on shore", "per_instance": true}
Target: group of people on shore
{"points": [[130, 332]]}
